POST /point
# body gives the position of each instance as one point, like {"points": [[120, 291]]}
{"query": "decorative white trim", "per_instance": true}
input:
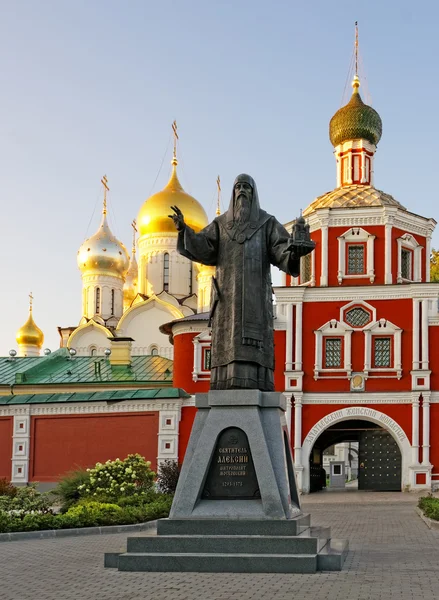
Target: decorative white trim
{"points": [[346, 414], [298, 337], [91, 408], [201, 342], [415, 429], [355, 398], [344, 309], [20, 449], [357, 293], [332, 328], [324, 250], [352, 235], [424, 334], [382, 327], [408, 242], [426, 429]]}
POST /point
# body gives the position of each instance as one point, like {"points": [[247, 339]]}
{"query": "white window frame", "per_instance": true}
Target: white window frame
{"points": [[361, 304], [356, 235], [200, 342], [388, 329], [333, 328], [297, 281], [408, 242]]}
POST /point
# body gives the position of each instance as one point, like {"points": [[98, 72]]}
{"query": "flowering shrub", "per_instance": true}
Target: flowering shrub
{"points": [[116, 478], [27, 500]]}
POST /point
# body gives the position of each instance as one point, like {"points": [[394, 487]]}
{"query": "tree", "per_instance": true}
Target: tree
{"points": [[434, 265]]}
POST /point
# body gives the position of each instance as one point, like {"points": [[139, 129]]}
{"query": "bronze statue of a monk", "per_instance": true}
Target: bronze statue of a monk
{"points": [[242, 244]]}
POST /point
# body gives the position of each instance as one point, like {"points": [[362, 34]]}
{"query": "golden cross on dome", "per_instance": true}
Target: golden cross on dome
{"points": [[31, 298], [134, 226], [174, 129], [218, 185], [356, 47], [104, 182]]}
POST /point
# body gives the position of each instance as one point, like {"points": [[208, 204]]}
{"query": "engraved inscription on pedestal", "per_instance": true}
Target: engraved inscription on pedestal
{"points": [[232, 474]]}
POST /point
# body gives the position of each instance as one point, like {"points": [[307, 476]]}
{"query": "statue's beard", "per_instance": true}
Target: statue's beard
{"points": [[242, 209]]}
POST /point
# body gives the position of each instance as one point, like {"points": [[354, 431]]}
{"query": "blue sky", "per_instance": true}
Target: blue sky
{"points": [[91, 87]]}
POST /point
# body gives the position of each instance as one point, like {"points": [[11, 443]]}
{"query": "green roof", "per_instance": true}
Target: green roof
{"points": [[354, 121], [108, 396], [60, 368]]}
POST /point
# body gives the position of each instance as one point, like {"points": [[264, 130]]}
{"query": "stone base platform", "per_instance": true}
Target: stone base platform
{"points": [[236, 508], [233, 546]]}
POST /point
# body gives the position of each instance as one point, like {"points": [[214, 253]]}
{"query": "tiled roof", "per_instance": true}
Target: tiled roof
{"points": [[60, 368], [352, 196], [107, 396]]}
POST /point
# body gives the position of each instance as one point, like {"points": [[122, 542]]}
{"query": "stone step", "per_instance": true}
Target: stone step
{"points": [[271, 527], [231, 544], [218, 563], [333, 555], [321, 534]]}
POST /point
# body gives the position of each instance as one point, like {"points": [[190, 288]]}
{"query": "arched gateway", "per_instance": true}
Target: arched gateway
{"points": [[349, 414]]}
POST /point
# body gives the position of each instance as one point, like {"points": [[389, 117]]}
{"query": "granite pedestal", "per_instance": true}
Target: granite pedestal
{"points": [[236, 507]]}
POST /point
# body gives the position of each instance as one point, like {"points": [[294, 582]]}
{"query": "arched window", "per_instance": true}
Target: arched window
{"points": [[166, 272], [93, 352], [98, 301], [190, 278], [154, 351], [112, 302]]}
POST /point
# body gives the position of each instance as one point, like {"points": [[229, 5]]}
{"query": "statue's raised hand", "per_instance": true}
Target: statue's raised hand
{"points": [[178, 218]]}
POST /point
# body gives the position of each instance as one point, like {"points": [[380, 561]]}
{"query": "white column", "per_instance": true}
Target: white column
{"points": [[298, 429], [427, 258], [288, 412], [313, 268], [426, 429], [388, 253], [415, 363], [169, 423], [289, 338], [367, 350], [424, 330], [298, 341], [324, 274], [415, 430], [20, 449]]}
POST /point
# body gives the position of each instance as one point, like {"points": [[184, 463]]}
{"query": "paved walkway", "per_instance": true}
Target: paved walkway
{"points": [[394, 556]]}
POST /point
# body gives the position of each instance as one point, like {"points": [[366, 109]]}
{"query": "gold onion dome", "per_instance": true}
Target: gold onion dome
{"points": [[103, 252], [30, 334], [153, 215], [355, 121]]}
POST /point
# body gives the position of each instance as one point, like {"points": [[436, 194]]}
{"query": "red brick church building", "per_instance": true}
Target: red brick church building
{"points": [[355, 340]]}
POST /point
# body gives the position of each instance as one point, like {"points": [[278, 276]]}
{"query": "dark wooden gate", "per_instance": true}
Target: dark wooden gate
{"points": [[379, 462]]}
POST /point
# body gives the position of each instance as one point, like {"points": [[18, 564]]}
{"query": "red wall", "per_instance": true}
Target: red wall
{"points": [[63, 443], [312, 413], [434, 428], [184, 365], [316, 314], [187, 419], [6, 424]]}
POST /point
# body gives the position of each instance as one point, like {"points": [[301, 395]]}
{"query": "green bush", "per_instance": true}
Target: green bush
{"points": [[430, 507], [167, 476], [68, 490], [88, 514]]}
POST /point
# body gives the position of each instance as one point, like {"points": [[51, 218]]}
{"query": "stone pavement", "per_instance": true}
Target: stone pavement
{"points": [[393, 556]]}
